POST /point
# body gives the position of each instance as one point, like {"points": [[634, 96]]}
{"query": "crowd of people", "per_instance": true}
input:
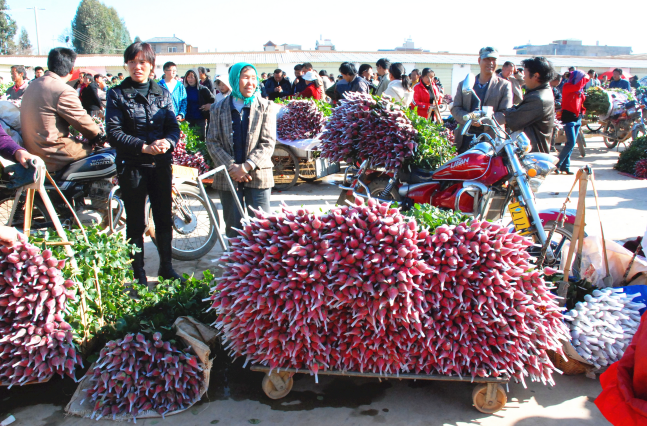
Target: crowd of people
{"points": [[234, 115]]}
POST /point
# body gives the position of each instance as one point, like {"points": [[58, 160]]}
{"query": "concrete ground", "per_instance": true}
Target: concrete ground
{"points": [[235, 396]]}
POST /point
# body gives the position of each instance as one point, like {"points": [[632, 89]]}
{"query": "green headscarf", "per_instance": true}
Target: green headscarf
{"points": [[234, 82]]}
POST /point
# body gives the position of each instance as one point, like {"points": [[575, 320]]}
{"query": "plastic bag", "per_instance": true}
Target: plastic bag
{"points": [[593, 269], [623, 400]]}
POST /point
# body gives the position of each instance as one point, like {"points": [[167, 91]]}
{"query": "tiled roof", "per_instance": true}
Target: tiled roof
{"points": [[317, 56], [164, 40]]}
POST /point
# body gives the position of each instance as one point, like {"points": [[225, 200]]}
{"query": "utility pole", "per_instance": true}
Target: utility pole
{"points": [[36, 17], [37, 35]]}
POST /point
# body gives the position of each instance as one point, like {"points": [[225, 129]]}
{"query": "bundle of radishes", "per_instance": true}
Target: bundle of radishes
{"points": [[362, 289], [134, 375], [301, 120], [603, 325], [182, 158], [487, 314], [35, 340], [363, 127]]}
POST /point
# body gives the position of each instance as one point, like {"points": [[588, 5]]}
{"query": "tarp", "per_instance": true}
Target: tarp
{"points": [[623, 400]]}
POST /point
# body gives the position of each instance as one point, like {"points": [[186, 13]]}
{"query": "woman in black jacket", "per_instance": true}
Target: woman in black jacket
{"points": [[198, 102], [141, 126]]}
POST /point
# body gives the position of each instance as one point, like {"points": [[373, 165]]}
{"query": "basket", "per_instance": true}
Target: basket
{"points": [[572, 367]]}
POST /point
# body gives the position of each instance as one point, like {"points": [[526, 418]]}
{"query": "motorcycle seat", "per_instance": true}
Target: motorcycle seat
{"points": [[419, 175]]}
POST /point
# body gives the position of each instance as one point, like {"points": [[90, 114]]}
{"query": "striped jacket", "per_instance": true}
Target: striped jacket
{"points": [[261, 139]]}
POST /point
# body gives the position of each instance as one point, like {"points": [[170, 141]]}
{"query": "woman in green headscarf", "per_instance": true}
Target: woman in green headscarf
{"points": [[241, 136]]}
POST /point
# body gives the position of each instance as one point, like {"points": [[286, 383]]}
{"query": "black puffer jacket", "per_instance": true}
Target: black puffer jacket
{"points": [[133, 120]]}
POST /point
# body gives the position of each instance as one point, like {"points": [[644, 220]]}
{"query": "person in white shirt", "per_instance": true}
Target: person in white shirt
{"points": [[400, 86]]}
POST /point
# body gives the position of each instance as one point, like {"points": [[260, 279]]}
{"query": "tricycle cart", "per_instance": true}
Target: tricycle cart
{"points": [[489, 395], [299, 159]]}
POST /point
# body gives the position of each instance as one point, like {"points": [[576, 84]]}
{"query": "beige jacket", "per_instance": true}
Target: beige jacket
{"points": [[517, 92], [49, 107], [498, 95]]}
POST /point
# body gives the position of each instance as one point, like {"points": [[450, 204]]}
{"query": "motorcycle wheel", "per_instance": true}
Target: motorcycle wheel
{"points": [[40, 217], [594, 127], [581, 143], [196, 238], [561, 236], [443, 107], [610, 136], [377, 187], [638, 132]]}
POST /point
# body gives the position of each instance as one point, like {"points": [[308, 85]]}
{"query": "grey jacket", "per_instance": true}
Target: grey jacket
{"points": [[260, 142], [498, 96], [535, 115], [384, 84]]}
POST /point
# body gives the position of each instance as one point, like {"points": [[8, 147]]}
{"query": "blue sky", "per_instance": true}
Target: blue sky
{"points": [[454, 26]]}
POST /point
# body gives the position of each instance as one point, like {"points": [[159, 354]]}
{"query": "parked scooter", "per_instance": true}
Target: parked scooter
{"points": [[620, 127], [494, 175], [90, 185]]}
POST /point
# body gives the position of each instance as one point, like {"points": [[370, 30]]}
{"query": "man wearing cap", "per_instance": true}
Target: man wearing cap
{"points": [[492, 90]]}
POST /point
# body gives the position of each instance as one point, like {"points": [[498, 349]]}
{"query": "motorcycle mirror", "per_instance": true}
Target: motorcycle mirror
{"points": [[468, 88]]}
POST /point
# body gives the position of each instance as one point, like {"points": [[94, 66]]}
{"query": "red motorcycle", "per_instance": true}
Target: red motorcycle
{"points": [[495, 174]]}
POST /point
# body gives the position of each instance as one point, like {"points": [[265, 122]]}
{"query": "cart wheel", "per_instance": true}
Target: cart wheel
{"points": [[307, 171], [286, 167], [489, 398], [277, 385]]}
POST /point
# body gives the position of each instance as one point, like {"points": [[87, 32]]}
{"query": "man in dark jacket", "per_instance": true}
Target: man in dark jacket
{"points": [[277, 86], [351, 81], [299, 84], [535, 115], [90, 99]]}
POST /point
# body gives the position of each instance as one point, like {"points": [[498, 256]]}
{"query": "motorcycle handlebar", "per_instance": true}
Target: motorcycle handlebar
{"points": [[473, 116]]}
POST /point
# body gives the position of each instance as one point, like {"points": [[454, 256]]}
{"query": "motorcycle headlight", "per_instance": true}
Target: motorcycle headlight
{"points": [[523, 142], [535, 183]]}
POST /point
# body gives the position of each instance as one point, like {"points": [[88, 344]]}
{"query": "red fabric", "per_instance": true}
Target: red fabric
{"points": [[311, 92], [623, 400], [573, 96], [422, 100]]}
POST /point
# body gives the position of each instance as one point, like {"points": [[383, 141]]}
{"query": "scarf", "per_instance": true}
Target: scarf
{"points": [[234, 82], [576, 76]]}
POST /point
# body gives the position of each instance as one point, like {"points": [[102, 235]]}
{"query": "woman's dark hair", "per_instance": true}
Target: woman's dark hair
{"points": [[363, 68], [414, 70], [245, 68], [348, 68], [136, 48], [197, 78], [202, 70], [384, 63], [399, 73], [426, 72], [61, 60], [323, 73], [539, 65]]}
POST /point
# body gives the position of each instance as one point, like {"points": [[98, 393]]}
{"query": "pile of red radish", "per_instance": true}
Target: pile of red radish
{"points": [[134, 375], [35, 340], [363, 127], [182, 158], [300, 120], [361, 288]]}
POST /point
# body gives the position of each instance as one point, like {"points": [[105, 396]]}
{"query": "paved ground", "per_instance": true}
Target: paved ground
{"points": [[235, 396]]}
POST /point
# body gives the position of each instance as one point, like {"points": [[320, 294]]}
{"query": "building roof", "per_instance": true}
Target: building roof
{"points": [[164, 40], [269, 43], [314, 56]]}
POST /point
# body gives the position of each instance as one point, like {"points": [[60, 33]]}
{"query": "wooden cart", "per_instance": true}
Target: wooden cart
{"points": [[489, 395], [292, 163]]}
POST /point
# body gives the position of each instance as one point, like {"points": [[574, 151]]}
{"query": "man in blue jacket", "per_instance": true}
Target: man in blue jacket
{"points": [[277, 86], [618, 82], [175, 88]]}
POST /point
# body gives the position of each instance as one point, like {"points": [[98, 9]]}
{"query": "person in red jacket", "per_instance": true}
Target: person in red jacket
{"points": [[424, 93], [572, 110], [311, 90]]}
